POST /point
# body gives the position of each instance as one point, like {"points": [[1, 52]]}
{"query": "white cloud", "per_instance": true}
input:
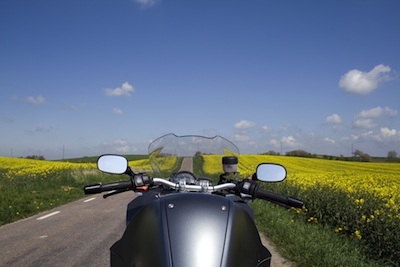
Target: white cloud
{"points": [[117, 111], [367, 118], [240, 138], [334, 119], [274, 143], [387, 133], [377, 112], [125, 89], [124, 149], [289, 141], [119, 146], [38, 100], [37, 130], [76, 107], [359, 82], [364, 123], [329, 140], [146, 3], [265, 129], [243, 124], [384, 138]]}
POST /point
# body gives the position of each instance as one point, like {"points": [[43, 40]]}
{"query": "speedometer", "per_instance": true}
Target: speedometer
{"points": [[188, 177]]}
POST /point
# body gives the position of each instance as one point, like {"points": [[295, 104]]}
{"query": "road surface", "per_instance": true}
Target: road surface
{"points": [[77, 234], [187, 165]]}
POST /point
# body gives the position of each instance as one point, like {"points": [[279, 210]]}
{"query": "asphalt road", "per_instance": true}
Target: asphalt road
{"points": [[76, 234], [187, 165]]}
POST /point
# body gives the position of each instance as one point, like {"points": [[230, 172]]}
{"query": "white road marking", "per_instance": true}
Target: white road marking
{"points": [[48, 215], [90, 199]]}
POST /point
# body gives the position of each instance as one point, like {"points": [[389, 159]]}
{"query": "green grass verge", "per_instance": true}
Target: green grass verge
{"points": [[308, 244], [22, 196], [361, 218], [94, 159]]}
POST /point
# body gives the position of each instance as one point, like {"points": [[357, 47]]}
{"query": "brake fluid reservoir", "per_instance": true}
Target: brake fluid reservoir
{"points": [[230, 164]]}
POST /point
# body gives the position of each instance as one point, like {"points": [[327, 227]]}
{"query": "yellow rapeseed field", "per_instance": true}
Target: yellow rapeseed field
{"points": [[29, 168], [382, 180], [142, 165], [355, 198], [359, 199], [30, 186]]}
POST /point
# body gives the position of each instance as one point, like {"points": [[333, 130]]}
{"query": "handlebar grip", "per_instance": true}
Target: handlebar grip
{"points": [[98, 188], [295, 202], [92, 189], [280, 199]]}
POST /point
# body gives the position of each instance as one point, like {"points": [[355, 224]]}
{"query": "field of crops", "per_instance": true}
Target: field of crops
{"points": [[354, 199], [357, 199], [31, 186]]}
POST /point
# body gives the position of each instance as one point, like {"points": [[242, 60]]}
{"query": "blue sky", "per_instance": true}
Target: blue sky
{"points": [[91, 77]]}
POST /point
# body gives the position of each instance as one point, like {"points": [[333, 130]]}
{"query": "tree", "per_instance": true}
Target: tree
{"points": [[298, 153], [272, 153], [392, 154], [363, 156], [35, 157]]}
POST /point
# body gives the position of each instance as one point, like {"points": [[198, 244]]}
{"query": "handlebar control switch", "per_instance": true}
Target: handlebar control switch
{"points": [[248, 187], [141, 179]]}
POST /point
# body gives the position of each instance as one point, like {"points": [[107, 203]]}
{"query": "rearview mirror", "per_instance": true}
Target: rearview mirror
{"points": [[114, 164], [270, 172]]}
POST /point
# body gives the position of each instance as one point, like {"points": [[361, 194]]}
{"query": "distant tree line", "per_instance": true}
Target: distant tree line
{"points": [[361, 155], [392, 154], [300, 153], [272, 153], [358, 155], [35, 157]]}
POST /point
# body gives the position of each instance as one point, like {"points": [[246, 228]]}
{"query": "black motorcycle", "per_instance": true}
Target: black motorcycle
{"points": [[187, 219]]}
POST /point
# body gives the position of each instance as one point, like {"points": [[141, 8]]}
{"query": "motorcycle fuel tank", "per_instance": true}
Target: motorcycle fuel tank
{"points": [[190, 229]]}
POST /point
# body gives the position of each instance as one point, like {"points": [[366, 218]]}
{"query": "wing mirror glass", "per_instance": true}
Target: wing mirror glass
{"points": [[270, 172], [112, 164]]}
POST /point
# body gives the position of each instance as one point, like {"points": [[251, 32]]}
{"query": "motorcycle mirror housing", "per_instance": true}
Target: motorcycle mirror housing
{"points": [[270, 172], [114, 164]]}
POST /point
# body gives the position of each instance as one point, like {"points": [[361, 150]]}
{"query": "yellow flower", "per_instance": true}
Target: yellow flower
{"points": [[357, 233], [313, 219], [339, 230]]}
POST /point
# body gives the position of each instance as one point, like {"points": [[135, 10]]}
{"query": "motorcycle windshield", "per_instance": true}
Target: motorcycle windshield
{"points": [[171, 153]]}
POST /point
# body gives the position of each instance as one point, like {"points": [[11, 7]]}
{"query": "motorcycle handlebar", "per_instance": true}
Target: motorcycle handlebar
{"points": [[99, 188], [277, 198], [127, 185], [259, 193], [210, 188]]}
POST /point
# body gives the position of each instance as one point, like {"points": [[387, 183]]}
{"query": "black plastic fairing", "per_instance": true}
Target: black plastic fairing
{"points": [[243, 245], [145, 240], [197, 228], [190, 229]]}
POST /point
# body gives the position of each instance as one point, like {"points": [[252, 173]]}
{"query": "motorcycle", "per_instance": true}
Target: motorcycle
{"points": [[188, 219]]}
